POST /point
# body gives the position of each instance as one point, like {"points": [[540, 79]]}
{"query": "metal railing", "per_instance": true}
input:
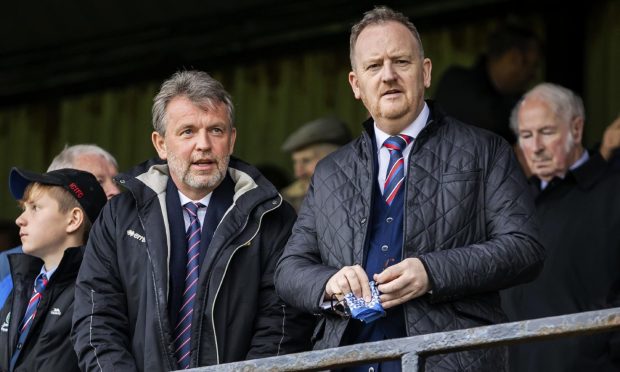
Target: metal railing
{"points": [[412, 350]]}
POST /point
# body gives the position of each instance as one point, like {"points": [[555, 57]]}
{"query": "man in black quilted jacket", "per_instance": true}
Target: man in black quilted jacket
{"points": [[436, 212]]}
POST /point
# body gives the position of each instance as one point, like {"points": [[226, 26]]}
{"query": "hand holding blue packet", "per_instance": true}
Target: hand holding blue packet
{"points": [[365, 311]]}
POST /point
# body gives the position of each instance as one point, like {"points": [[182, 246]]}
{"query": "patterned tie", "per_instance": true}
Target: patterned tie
{"points": [[396, 168], [31, 311], [183, 329]]}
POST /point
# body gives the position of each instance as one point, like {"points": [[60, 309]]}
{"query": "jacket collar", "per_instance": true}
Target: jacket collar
{"points": [[585, 176], [435, 120], [25, 268], [589, 173], [251, 187]]}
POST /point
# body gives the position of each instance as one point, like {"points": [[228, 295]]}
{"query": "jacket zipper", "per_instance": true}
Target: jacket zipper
{"points": [[162, 340], [217, 352], [402, 251], [373, 177]]}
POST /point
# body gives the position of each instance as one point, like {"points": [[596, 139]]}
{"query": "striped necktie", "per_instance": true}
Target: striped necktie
{"points": [[396, 168], [182, 331], [31, 311]]}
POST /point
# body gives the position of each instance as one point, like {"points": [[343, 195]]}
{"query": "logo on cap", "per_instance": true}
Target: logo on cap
{"points": [[76, 190]]}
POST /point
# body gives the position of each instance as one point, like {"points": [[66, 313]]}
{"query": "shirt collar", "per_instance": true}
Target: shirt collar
{"points": [[584, 158], [204, 201], [48, 273], [412, 129]]}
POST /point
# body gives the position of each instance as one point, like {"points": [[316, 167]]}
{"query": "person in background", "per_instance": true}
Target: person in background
{"points": [[307, 146], [485, 94], [610, 145], [178, 272], [59, 208], [87, 157], [578, 205], [93, 159], [434, 211]]}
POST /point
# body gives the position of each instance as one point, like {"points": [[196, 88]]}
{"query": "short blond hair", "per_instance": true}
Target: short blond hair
{"points": [[65, 200]]}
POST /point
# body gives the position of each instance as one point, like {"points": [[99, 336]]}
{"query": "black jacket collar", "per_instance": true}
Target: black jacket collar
{"points": [[434, 121], [585, 176], [25, 268]]}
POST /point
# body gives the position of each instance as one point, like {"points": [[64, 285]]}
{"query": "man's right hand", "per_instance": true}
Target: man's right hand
{"points": [[348, 279]]}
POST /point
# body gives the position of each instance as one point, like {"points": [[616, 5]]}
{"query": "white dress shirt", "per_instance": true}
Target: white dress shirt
{"points": [[201, 211], [412, 130]]}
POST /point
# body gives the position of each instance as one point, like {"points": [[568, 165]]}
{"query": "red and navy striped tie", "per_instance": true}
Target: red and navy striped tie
{"points": [[31, 310], [182, 341], [395, 175]]}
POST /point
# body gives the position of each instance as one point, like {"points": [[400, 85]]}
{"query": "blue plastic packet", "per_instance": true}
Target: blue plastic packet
{"points": [[365, 311]]}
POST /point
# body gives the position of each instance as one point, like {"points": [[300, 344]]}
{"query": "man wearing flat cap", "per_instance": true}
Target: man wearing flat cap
{"points": [[307, 145]]}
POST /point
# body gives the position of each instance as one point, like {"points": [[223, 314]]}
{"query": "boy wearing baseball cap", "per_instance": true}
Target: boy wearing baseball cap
{"points": [[59, 207]]}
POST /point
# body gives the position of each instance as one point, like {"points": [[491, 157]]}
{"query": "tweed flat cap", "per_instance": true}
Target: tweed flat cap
{"points": [[324, 130]]}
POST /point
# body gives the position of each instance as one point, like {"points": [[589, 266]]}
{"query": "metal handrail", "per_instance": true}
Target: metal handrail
{"points": [[411, 349]]}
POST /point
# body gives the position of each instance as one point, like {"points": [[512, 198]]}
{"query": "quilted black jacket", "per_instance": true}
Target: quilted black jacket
{"points": [[468, 218]]}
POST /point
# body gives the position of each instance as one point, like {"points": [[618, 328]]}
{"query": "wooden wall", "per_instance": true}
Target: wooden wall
{"points": [[274, 95]]}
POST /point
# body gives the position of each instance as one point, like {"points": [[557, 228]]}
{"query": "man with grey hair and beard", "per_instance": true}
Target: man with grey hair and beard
{"points": [[578, 205], [178, 272]]}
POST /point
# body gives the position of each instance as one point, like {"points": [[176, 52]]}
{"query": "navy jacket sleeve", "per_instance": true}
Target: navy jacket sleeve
{"points": [[99, 319]]}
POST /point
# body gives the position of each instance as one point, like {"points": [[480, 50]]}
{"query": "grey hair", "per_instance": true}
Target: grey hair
{"points": [[67, 156], [199, 87], [380, 15], [565, 104]]}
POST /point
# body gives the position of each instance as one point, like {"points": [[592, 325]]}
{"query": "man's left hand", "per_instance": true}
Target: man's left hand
{"points": [[402, 282], [611, 139]]}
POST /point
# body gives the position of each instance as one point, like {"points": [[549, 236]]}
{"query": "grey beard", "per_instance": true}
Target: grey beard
{"points": [[212, 182]]}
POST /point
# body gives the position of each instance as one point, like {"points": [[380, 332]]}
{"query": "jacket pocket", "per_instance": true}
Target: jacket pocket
{"points": [[461, 204], [465, 176]]}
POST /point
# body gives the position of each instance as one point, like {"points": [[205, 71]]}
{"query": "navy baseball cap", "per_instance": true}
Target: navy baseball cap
{"points": [[82, 185]]}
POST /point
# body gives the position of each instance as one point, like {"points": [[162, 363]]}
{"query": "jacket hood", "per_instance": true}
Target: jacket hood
{"points": [[154, 174]]}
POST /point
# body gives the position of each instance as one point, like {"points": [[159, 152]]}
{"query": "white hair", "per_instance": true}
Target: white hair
{"points": [[67, 156], [564, 103]]}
